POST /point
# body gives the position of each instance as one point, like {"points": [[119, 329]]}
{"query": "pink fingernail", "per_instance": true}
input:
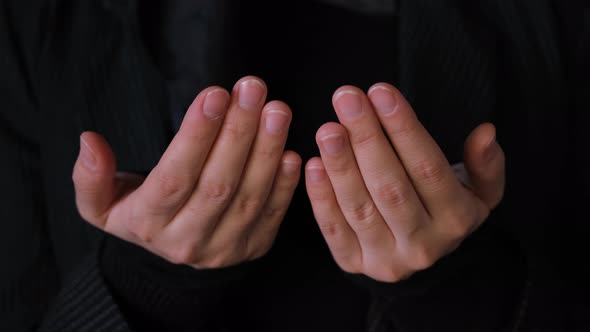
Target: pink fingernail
{"points": [[250, 94], [215, 103], [348, 103], [290, 168], [383, 100], [276, 121], [87, 155], [333, 143], [316, 174]]}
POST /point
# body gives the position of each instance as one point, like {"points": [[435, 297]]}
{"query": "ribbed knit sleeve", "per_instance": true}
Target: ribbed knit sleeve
{"points": [[84, 304], [156, 294]]}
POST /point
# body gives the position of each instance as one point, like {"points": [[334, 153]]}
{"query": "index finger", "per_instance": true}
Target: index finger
{"points": [[425, 163], [172, 181]]}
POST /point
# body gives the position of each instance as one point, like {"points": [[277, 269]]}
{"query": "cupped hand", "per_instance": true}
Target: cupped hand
{"points": [[384, 196], [218, 194]]}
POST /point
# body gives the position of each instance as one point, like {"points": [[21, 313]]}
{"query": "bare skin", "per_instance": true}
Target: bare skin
{"points": [[386, 210], [223, 186], [219, 192]]}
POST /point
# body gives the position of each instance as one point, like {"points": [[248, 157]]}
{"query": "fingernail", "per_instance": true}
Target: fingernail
{"points": [[215, 103], [383, 99], [87, 156], [250, 94], [290, 168], [333, 144], [316, 174], [276, 121], [348, 103]]}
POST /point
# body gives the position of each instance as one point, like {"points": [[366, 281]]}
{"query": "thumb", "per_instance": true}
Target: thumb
{"points": [[485, 162], [94, 178]]}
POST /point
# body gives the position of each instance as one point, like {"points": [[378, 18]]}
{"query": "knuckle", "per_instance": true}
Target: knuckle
{"points": [[422, 257], [362, 138], [396, 274], [394, 194], [348, 260], [330, 228], [219, 192], [461, 221], [182, 254], [272, 211], [172, 186], [362, 215], [236, 130], [460, 228], [143, 233], [428, 171], [136, 224], [91, 216], [249, 206], [193, 212]]}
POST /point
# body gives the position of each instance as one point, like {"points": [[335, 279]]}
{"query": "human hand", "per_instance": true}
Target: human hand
{"points": [[218, 194], [389, 210]]}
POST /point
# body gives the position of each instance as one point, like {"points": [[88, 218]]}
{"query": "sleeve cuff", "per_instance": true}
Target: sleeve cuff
{"points": [[153, 292]]}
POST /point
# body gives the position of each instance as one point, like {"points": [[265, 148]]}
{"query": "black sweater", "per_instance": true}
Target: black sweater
{"points": [[106, 66]]}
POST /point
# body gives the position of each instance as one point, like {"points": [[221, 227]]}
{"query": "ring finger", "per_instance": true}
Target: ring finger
{"points": [[259, 172], [224, 166], [375, 238]]}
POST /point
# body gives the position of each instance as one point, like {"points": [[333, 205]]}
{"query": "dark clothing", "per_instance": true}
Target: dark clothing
{"points": [[122, 67]]}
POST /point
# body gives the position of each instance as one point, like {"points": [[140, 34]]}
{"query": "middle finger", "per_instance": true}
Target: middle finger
{"points": [[382, 171], [224, 166], [429, 170]]}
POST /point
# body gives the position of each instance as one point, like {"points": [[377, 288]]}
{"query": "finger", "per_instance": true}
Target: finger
{"points": [[357, 206], [172, 181], [94, 179], [224, 167], [225, 248], [262, 234], [341, 239], [382, 171], [422, 158], [259, 172], [485, 163]]}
